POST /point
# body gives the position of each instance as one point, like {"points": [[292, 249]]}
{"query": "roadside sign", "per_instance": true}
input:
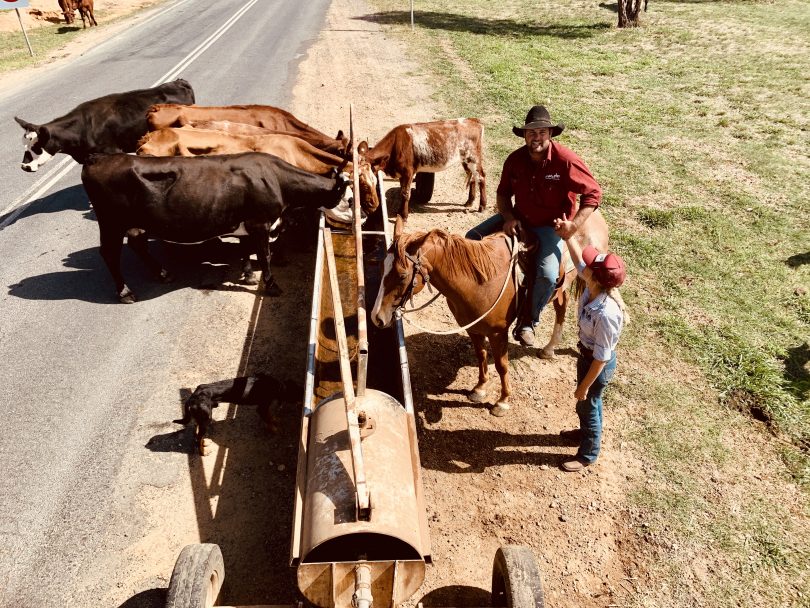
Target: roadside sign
{"points": [[17, 5], [7, 4]]}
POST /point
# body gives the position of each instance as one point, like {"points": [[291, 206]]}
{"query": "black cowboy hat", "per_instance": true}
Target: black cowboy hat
{"points": [[538, 118]]}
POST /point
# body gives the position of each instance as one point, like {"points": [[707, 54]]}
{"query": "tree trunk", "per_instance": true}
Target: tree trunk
{"points": [[629, 12]]}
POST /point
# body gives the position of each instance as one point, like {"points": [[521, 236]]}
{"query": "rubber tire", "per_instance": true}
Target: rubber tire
{"points": [[197, 577], [516, 579], [424, 188]]}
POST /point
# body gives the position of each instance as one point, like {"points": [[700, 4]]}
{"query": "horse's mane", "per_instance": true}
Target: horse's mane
{"points": [[463, 257]]}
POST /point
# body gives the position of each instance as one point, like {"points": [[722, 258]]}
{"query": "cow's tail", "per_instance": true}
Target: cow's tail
{"points": [[144, 140]]}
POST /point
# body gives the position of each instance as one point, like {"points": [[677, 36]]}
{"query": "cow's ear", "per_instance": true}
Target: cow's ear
{"points": [[399, 227], [28, 126], [363, 148]]}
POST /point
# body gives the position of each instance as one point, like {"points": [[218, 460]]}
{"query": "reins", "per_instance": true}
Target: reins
{"points": [[400, 310]]}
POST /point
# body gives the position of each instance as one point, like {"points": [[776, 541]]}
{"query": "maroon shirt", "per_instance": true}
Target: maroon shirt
{"points": [[545, 191]]}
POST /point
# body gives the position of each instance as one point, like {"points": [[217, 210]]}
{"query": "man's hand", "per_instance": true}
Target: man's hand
{"points": [[512, 227], [565, 227], [581, 392]]}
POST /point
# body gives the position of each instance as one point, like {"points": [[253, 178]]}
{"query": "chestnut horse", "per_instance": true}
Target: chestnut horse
{"points": [[474, 277]]}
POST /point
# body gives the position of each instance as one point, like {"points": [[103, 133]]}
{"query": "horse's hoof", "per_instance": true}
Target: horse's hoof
{"points": [[500, 409], [546, 353], [478, 396]]}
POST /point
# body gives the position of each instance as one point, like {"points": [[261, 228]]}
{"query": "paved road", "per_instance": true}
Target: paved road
{"points": [[87, 385]]}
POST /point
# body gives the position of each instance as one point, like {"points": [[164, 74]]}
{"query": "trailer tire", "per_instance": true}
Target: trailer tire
{"points": [[424, 188], [197, 577], [516, 579]]}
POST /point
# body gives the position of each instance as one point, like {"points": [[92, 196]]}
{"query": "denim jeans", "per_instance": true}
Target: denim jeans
{"points": [[590, 410], [548, 260]]}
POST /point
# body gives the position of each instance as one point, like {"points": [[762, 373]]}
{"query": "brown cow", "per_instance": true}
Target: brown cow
{"points": [[202, 142], [85, 11], [68, 7], [268, 117], [429, 147]]}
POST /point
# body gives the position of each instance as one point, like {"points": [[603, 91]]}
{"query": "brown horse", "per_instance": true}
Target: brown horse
{"points": [[475, 278]]}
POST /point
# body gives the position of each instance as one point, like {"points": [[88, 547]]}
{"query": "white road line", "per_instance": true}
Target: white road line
{"points": [[43, 184]]}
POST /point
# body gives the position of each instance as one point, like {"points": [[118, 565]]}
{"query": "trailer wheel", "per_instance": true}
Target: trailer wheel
{"points": [[424, 188], [516, 579], [197, 577]]}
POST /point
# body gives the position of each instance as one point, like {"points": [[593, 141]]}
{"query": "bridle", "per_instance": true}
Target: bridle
{"points": [[418, 270]]}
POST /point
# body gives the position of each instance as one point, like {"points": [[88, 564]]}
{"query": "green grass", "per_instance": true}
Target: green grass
{"points": [[696, 125]]}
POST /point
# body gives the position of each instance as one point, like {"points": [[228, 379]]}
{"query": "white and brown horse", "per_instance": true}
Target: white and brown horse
{"points": [[475, 278]]}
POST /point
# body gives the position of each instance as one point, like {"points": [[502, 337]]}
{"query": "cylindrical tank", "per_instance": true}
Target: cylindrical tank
{"points": [[331, 530]]}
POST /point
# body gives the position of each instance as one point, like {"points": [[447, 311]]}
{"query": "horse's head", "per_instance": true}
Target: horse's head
{"points": [[404, 275]]}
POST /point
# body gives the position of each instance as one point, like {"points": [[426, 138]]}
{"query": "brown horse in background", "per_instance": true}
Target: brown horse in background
{"points": [[472, 275]]}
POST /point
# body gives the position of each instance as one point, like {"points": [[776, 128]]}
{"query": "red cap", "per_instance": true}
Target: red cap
{"points": [[607, 268]]}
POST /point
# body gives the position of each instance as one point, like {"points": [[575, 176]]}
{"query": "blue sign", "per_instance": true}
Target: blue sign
{"points": [[6, 4]]}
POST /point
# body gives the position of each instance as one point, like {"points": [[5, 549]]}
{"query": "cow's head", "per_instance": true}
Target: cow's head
{"points": [[39, 145], [378, 163]]}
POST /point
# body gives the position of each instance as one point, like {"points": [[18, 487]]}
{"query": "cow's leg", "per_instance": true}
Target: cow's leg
{"points": [[500, 353], [479, 392], [482, 187], [405, 183], [138, 240], [111, 244], [560, 306], [472, 181], [260, 236]]}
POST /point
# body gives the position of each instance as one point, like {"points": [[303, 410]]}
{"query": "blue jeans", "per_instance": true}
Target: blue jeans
{"points": [[590, 410], [548, 260]]}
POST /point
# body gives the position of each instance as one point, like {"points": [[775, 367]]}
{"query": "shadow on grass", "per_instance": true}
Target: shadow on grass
{"points": [[796, 373], [479, 25], [800, 259]]}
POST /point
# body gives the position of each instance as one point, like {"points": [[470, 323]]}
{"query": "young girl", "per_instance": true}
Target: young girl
{"points": [[601, 314]]}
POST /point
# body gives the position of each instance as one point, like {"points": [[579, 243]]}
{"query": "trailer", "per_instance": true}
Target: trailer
{"points": [[360, 534]]}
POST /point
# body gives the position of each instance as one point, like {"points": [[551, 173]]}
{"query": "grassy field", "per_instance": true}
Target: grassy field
{"points": [[697, 125]]}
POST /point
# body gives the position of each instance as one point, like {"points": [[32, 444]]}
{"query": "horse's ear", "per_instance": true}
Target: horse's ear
{"points": [[399, 227], [363, 148]]}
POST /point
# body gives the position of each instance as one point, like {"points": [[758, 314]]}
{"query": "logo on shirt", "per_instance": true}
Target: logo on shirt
{"points": [[555, 177]]}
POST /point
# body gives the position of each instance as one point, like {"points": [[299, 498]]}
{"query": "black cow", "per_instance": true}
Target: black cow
{"points": [[113, 123], [193, 199]]}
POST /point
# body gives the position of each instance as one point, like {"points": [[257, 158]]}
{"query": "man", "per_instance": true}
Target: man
{"points": [[544, 178]]}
